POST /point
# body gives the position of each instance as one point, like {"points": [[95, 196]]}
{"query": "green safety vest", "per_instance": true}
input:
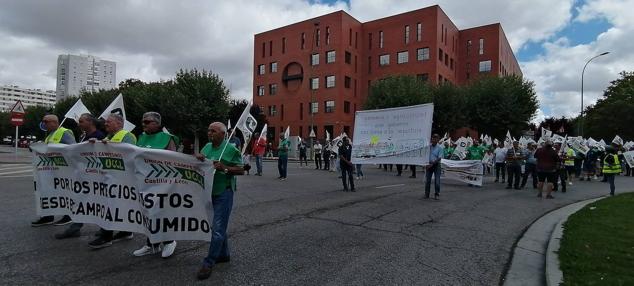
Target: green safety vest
{"points": [[118, 137], [570, 160], [56, 136], [159, 140], [612, 168]]}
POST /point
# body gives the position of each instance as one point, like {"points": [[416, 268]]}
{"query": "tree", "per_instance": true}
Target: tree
{"points": [[449, 108], [32, 118], [613, 114], [397, 91], [555, 124]]}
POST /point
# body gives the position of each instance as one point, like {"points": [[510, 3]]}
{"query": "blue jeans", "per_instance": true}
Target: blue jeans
{"points": [[282, 163], [219, 246], [258, 163], [359, 172], [610, 178], [435, 171]]}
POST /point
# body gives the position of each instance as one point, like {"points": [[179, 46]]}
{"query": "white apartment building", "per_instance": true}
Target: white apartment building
{"points": [[9, 94], [84, 73]]}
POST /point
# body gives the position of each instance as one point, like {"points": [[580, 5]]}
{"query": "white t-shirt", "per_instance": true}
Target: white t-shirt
{"points": [[500, 154]]}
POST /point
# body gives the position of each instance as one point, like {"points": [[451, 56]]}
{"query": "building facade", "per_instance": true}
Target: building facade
{"points": [[318, 72], [84, 73], [10, 94]]}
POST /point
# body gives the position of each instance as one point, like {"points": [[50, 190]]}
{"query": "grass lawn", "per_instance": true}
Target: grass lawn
{"points": [[598, 243]]}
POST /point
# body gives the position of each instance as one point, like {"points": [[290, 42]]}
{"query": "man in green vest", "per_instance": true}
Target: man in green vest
{"points": [[154, 138], [55, 135], [611, 166], [282, 157], [116, 134], [227, 161]]}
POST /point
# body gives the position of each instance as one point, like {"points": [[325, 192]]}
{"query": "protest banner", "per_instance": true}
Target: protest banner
{"points": [[393, 136], [578, 146], [629, 158], [162, 194], [468, 171], [461, 147]]}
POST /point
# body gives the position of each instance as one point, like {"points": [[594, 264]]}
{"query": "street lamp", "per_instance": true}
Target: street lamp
{"points": [[582, 73]]}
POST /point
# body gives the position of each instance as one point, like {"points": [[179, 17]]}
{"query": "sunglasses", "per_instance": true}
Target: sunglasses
{"points": [[148, 121]]}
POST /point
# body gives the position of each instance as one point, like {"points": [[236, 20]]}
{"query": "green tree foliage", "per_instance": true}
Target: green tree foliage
{"points": [[613, 113], [397, 91], [555, 124]]}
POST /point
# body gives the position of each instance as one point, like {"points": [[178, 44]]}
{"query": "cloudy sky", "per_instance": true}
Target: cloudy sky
{"points": [[152, 39]]}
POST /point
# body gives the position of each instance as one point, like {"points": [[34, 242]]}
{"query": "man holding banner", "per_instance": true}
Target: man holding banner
{"points": [[227, 162], [435, 155]]}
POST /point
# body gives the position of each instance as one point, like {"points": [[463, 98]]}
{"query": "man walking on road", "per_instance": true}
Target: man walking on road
{"points": [[514, 159], [500, 166], [546, 167], [530, 167], [435, 155], [611, 166], [318, 149], [259, 147], [345, 162], [302, 153], [282, 154]]}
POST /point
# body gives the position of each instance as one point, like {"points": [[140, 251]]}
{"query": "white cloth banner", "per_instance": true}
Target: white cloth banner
{"points": [[163, 194], [629, 158], [578, 146], [393, 136], [468, 171]]}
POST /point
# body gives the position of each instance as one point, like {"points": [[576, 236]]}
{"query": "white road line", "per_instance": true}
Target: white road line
{"points": [[389, 186], [22, 176], [16, 172], [16, 167]]}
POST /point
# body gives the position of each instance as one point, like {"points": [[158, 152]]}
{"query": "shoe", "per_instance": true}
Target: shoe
{"points": [[358, 178], [63, 221], [345, 190], [100, 232], [223, 259], [550, 197], [339, 177], [539, 195], [581, 179], [122, 235], [279, 178], [168, 249], [67, 234], [352, 190], [45, 220], [563, 191], [595, 178], [518, 188], [496, 180], [100, 242], [508, 187], [412, 177], [436, 196], [570, 183], [204, 272], [283, 179], [145, 250]]}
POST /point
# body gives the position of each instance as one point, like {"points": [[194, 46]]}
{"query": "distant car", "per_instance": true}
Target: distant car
{"points": [[7, 141], [24, 143]]}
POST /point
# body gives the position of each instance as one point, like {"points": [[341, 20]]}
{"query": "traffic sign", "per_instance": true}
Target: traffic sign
{"points": [[17, 114], [18, 108]]}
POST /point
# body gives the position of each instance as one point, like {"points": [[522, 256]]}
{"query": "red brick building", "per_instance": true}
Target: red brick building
{"points": [[318, 72]]}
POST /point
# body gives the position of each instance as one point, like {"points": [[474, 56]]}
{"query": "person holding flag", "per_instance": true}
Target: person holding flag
{"points": [[259, 147], [282, 154]]}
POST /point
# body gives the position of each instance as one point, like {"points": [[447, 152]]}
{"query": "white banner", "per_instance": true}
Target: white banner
{"points": [[393, 136], [629, 158], [461, 148], [468, 171], [163, 194]]}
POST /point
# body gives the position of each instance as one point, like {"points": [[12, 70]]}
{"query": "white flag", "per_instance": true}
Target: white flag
{"points": [[327, 135], [617, 140], [546, 132], [287, 133], [116, 106], [264, 130], [229, 124], [461, 147], [508, 142], [246, 124], [76, 111]]}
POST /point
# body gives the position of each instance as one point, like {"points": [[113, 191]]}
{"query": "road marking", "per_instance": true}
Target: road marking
{"points": [[21, 176], [16, 172], [389, 186], [16, 167]]}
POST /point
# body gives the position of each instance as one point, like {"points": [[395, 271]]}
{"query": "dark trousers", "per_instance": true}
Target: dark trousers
{"points": [[413, 169], [326, 162], [282, 163], [570, 171], [514, 172], [385, 167], [610, 178], [317, 161], [560, 176], [346, 176], [432, 171], [530, 169], [399, 169], [500, 167], [578, 164], [302, 156], [108, 234]]}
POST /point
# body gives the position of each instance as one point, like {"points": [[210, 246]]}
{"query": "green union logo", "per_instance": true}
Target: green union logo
{"points": [[105, 163], [52, 161], [163, 171]]}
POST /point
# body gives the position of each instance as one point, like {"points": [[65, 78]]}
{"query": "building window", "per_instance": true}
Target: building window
{"points": [[314, 83], [356, 39], [282, 113], [283, 45], [406, 34], [317, 36], [402, 57], [327, 35], [301, 111], [348, 57], [369, 41], [264, 49], [451, 63], [303, 40], [314, 59], [346, 107], [439, 79], [314, 107], [329, 106], [440, 54], [330, 81], [369, 65], [261, 69], [270, 48], [272, 89], [346, 81], [422, 54], [485, 66], [481, 49], [384, 60], [468, 47], [272, 110], [350, 37], [260, 90], [419, 32], [330, 57], [446, 59], [380, 39], [423, 76], [273, 67]]}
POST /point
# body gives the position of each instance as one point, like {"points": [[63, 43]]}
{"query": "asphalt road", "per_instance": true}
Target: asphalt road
{"points": [[303, 231]]}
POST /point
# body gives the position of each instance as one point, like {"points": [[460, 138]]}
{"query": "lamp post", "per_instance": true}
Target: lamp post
{"points": [[582, 73]]}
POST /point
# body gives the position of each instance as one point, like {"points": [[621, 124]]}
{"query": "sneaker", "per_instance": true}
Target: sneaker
{"points": [[412, 177], [122, 235], [550, 197], [168, 249], [145, 250], [436, 196], [539, 195], [283, 179], [223, 259], [100, 242], [352, 190], [63, 221], [204, 272], [496, 180], [67, 234], [581, 179], [570, 183], [45, 220], [595, 178]]}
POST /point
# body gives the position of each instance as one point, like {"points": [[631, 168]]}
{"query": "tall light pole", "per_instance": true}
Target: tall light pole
{"points": [[582, 73]]}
